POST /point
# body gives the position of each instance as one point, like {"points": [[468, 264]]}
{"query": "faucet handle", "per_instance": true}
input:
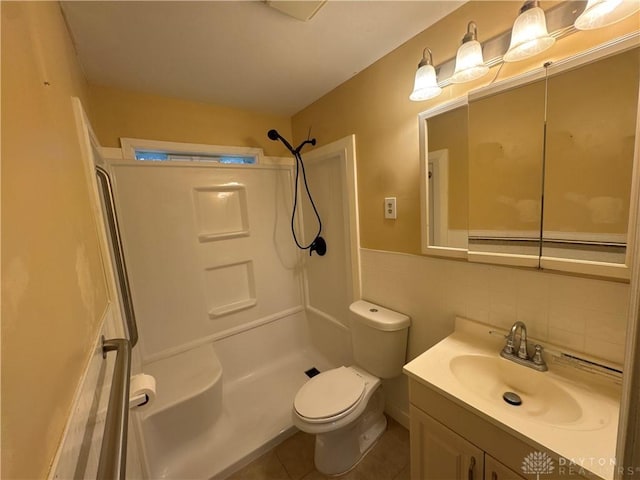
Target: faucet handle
{"points": [[522, 351], [537, 356], [509, 348]]}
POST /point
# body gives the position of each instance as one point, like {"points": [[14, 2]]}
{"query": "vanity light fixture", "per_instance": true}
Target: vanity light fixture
{"points": [[469, 62], [529, 35], [601, 13], [425, 85]]}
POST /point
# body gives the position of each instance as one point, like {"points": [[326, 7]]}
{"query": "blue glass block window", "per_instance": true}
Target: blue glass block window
{"points": [[241, 160], [153, 156], [182, 157]]}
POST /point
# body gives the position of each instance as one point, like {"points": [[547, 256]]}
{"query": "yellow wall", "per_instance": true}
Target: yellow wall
{"points": [[119, 113], [53, 286], [375, 106]]}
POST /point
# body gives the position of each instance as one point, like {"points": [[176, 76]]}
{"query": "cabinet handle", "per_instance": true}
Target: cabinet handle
{"points": [[472, 464], [494, 476]]}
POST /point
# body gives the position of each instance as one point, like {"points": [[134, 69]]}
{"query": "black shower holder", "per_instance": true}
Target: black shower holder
{"points": [[318, 245]]}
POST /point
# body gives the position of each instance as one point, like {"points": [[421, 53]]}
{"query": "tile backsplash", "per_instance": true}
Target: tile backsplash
{"points": [[581, 314]]}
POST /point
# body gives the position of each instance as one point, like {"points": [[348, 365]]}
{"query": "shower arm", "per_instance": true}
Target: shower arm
{"points": [[311, 141]]}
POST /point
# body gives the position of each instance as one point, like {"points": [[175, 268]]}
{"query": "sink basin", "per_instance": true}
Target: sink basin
{"points": [[542, 399], [569, 410]]}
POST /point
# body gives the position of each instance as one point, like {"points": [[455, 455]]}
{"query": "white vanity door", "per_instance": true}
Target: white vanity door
{"points": [[438, 453]]}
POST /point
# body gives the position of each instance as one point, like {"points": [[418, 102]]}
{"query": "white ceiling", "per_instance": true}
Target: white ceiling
{"points": [[241, 54]]}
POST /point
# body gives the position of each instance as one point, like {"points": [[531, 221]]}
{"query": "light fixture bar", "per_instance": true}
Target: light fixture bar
{"points": [[560, 20]]}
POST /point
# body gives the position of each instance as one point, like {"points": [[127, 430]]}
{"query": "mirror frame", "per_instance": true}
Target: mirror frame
{"points": [[581, 267]]}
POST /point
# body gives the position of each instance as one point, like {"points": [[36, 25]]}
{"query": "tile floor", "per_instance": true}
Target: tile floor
{"points": [[293, 460]]}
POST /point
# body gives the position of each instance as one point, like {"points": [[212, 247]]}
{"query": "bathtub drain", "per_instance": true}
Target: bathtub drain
{"points": [[312, 372]]}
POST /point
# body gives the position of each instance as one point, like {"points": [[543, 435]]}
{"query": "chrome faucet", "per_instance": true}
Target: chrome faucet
{"points": [[522, 356], [522, 348]]}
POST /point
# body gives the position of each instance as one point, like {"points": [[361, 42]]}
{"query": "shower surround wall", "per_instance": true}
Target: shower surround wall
{"points": [[217, 285], [208, 250], [218, 290]]}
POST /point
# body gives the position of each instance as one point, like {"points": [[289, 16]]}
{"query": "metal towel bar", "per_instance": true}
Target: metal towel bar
{"points": [[113, 453], [116, 243]]}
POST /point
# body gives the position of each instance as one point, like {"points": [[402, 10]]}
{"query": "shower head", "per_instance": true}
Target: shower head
{"points": [[273, 135]]}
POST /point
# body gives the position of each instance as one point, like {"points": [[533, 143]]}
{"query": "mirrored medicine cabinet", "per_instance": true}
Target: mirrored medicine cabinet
{"points": [[536, 171]]}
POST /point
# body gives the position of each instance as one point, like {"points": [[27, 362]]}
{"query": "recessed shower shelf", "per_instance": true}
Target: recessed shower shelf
{"points": [[221, 212], [232, 307], [212, 237]]}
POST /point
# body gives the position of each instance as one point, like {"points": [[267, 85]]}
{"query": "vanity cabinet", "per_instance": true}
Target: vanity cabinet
{"points": [[494, 470], [450, 442], [437, 452]]}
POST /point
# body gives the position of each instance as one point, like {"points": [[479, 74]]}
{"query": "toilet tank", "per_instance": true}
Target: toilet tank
{"points": [[378, 338]]}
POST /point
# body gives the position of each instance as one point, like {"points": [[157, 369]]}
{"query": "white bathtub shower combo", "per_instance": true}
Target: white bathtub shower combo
{"points": [[230, 314]]}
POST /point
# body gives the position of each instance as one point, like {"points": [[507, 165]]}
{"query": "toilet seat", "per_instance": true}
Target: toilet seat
{"points": [[330, 395]]}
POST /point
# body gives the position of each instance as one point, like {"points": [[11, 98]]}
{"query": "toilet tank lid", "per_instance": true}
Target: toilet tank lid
{"points": [[379, 317]]}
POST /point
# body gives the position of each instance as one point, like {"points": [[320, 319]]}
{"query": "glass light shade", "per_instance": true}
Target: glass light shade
{"points": [[469, 63], [529, 36], [425, 85], [601, 13]]}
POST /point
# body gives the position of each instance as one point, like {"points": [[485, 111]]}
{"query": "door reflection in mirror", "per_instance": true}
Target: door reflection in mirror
{"points": [[448, 178]]}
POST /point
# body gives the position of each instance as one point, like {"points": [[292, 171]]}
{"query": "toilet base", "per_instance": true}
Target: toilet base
{"points": [[338, 452]]}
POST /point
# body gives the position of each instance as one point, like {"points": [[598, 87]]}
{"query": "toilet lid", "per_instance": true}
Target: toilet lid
{"points": [[329, 394]]}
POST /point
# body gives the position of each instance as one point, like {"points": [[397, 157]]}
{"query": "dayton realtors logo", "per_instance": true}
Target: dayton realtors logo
{"points": [[537, 463]]}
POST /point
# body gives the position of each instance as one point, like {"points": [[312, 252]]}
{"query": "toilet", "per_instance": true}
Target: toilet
{"points": [[344, 407]]}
